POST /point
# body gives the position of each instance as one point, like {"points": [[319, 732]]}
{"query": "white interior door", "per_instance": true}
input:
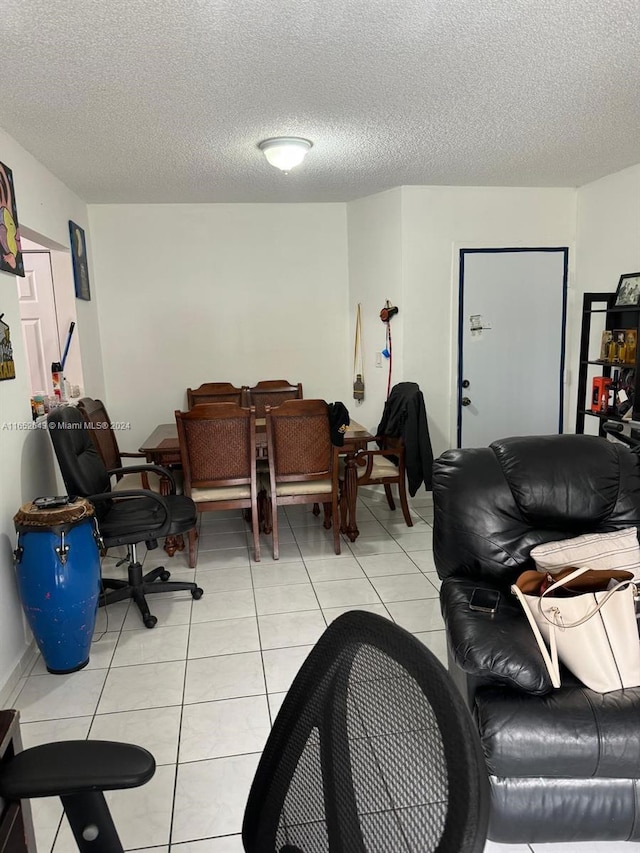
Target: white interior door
{"points": [[39, 322], [511, 343]]}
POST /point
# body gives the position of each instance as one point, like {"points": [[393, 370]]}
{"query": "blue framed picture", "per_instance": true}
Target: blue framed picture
{"points": [[80, 265]]}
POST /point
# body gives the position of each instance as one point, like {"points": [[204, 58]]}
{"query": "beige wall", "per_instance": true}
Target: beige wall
{"points": [[224, 292]]}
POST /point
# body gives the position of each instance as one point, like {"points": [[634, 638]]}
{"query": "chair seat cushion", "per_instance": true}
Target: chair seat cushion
{"points": [[572, 732], [303, 487], [382, 467], [127, 522], [224, 493]]}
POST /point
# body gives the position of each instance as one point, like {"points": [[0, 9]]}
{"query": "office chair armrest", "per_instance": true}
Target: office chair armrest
{"points": [[146, 469], [74, 767], [138, 493]]}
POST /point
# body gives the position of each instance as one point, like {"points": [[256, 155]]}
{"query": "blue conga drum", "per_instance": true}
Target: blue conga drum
{"points": [[58, 570]]}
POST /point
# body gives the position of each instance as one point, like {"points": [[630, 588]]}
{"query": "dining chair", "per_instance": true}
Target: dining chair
{"points": [[216, 392], [272, 392], [103, 436], [218, 451], [303, 463], [381, 467]]}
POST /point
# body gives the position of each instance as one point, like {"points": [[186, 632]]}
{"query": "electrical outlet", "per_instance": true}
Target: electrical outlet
{"points": [[378, 359]]}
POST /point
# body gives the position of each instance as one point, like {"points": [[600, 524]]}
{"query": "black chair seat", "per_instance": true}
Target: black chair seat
{"points": [[121, 523]]}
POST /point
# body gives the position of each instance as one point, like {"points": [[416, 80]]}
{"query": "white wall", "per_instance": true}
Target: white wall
{"points": [[26, 462], [607, 244], [375, 275], [436, 223], [221, 292]]}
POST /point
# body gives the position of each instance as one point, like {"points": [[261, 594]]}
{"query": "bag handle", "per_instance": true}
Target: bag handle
{"points": [[559, 584], [550, 660]]}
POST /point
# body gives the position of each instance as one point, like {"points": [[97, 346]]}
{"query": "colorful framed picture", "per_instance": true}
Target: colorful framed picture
{"points": [[80, 265], [10, 248], [628, 292], [7, 365]]}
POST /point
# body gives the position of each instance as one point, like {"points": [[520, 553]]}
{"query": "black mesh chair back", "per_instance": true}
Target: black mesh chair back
{"points": [[373, 750]]}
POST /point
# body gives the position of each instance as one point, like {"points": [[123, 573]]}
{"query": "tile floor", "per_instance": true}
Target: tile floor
{"points": [[201, 689]]}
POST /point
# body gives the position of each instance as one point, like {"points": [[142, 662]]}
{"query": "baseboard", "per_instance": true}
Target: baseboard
{"points": [[20, 670]]}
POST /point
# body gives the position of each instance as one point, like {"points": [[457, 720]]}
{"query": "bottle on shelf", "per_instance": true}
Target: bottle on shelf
{"points": [[612, 402], [56, 378]]}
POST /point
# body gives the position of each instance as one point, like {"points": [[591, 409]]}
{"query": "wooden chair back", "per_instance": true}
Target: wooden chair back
{"points": [[272, 392], [216, 392], [218, 451], [303, 463], [372, 474]]}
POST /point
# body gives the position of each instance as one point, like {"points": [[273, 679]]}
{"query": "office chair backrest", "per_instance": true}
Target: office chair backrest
{"points": [[100, 431], [372, 750], [82, 469]]}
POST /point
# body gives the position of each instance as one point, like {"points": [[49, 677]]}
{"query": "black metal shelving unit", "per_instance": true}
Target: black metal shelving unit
{"points": [[617, 317]]}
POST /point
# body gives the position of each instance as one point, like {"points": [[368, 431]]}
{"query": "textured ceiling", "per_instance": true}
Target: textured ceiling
{"points": [[166, 100]]}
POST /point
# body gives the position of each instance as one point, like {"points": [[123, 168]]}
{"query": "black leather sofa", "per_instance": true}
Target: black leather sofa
{"points": [[564, 763]]}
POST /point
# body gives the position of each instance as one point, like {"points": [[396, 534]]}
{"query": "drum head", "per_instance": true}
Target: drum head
{"points": [[31, 518]]}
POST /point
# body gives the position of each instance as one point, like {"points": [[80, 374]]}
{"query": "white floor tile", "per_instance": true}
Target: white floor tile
{"points": [[275, 703], [285, 599], [212, 522], [436, 641], [291, 629], [404, 587], [47, 816], [208, 541], [224, 844], [223, 559], [50, 697], [288, 552], [226, 727], [321, 549], [377, 545], [346, 593], [155, 729], [224, 580], [411, 542], [167, 609], [370, 528], [271, 573], [236, 604], [151, 645], [417, 616], [151, 685], [47, 731], [281, 666], [334, 570], [388, 564], [111, 617], [493, 847], [424, 560], [224, 637], [224, 677], [197, 813], [586, 847], [100, 654]]}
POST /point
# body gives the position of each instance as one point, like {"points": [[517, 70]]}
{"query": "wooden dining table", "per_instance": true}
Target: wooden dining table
{"points": [[162, 448]]}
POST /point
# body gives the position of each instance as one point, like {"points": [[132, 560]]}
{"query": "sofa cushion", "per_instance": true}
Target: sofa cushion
{"points": [[570, 733], [617, 550], [498, 648]]}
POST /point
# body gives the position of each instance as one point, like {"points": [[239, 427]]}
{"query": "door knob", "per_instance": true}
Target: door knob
{"points": [[465, 401], [465, 383]]}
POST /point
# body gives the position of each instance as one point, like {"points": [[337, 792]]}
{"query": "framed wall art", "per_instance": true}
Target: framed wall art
{"points": [[10, 248], [628, 292], [80, 265], [7, 365]]}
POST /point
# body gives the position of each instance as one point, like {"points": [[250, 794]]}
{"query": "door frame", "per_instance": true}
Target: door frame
{"points": [[563, 337]]}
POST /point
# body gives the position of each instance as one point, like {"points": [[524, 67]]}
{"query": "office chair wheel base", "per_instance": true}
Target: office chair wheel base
{"points": [[150, 621], [165, 576], [197, 593]]}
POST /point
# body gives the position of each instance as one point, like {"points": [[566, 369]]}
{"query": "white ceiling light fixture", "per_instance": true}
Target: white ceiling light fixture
{"points": [[285, 152]]}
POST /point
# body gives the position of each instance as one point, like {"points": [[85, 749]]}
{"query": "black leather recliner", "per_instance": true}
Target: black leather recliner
{"points": [[564, 763]]}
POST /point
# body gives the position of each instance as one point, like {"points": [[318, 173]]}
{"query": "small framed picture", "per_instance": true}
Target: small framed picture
{"points": [[607, 337], [80, 264], [628, 292]]}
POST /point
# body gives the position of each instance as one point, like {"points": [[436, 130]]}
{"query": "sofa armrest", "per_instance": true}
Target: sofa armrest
{"points": [[493, 648]]}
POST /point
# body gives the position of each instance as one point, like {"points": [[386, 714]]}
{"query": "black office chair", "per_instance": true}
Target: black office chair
{"points": [[373, 750], [125, 517]]}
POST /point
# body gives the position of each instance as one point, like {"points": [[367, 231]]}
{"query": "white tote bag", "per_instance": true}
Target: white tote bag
{"points": [[595, 634]]}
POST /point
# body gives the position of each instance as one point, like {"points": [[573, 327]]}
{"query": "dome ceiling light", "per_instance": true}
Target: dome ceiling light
{"points": [[285, 152]]}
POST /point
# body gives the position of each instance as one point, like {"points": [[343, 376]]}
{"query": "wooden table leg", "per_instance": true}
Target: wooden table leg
{"points": [[350, 497]]}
